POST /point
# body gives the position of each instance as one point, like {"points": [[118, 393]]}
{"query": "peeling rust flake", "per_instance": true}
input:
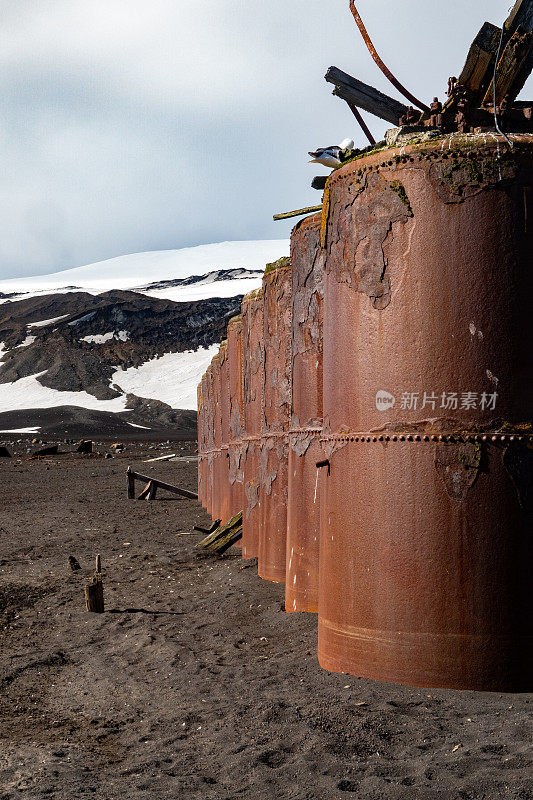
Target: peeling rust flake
{"points": [[358, 235], [458, 466]]}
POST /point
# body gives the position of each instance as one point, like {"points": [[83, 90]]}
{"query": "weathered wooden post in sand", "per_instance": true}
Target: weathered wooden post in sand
{"points": [[94, 591]]}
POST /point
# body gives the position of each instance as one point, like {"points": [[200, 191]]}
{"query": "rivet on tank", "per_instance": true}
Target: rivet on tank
{"points": [[426, 540], [273, 457], [305, 449]]}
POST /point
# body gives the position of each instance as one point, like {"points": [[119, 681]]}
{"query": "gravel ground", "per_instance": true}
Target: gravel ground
{"points": [[194, 683]]}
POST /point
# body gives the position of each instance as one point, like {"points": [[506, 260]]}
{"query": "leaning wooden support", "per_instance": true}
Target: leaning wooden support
{"points": [[478, 70], [514, 68], [221, 533], [225, 542], [359, 94], [155, 484], [521, 15], [299, 213]]}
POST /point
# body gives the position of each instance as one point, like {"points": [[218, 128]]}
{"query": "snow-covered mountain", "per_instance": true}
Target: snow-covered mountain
{"points": [[128, 338], [140, 271]]}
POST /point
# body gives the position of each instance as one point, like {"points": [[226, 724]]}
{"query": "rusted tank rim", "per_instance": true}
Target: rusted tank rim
{"points": [[438, 148]]}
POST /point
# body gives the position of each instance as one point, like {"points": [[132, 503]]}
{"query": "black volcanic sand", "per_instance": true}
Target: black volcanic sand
{"points": [[72, 421], [195, 683]]}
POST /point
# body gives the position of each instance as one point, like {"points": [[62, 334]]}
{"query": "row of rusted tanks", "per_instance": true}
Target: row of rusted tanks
{"points": [[371, 414]]}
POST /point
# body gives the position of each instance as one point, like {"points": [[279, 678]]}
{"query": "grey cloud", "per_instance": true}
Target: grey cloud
{"points": [[132, 126]]}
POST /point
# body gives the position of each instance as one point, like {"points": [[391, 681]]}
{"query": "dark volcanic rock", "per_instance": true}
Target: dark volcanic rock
{"points": [[138, 328], [211, 277]]}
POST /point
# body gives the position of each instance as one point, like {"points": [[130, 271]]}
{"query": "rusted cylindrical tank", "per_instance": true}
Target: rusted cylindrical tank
{"points": [[217, 437], [201, 442], [425, 574], [224, 458], [209, 439], [305, 449], [274, 454], [252, 356], [236, 417]]}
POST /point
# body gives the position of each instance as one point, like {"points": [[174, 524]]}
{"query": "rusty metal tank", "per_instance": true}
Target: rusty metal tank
{"points": [[201, 442], [305, 449], [224, 457], [252, 357], [274, 453], [217, 437], [236, 416], [209, 438], [425, 575]]}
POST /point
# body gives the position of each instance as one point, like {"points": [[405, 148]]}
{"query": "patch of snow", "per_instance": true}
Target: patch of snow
{"points": [[203, 291], [171, 378], [139, 269], [143, 427], [44, 322], [23, 430], [27, 341], [29, 393], [100, 338]]}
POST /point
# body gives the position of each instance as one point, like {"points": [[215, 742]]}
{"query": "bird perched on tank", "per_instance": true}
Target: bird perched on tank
{"points": [[332, 156]]}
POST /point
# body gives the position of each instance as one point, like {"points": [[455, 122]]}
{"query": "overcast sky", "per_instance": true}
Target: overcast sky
{"points": [[129, 125]]}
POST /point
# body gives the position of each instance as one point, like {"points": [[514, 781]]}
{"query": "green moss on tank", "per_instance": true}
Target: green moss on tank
{"points": [[399, 188], [281, 263]]}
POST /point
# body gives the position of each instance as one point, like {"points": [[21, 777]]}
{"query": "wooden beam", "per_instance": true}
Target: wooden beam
{"points": [[222, 534], [359, 94], [299, 213], [479, 66], [136, 476], [228, 541], [514, 68], [521, 15]]}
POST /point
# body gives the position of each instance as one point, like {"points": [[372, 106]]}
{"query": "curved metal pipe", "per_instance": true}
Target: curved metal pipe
{"points": [[385, 70]]}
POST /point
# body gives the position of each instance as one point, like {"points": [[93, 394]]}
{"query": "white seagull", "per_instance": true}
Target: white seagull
{"points": [[331, 156]]}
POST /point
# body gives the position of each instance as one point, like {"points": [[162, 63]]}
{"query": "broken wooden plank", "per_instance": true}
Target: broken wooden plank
{"points": [[227, 541], [359, 94], [513, 70], [299, 213], [221, 532], [478, 70], [521, 16], [51, 450], [159, 458]]}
